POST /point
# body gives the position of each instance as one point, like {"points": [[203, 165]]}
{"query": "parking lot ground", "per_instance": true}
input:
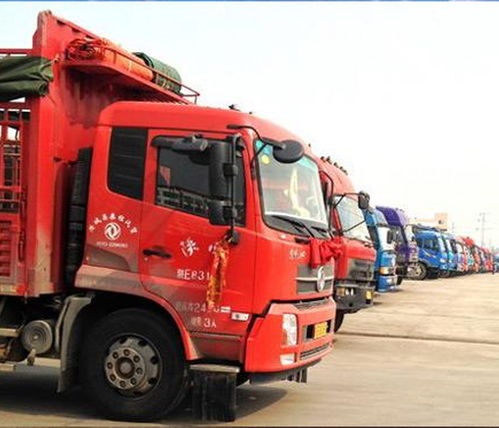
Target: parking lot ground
{"points": [[427, 355]]}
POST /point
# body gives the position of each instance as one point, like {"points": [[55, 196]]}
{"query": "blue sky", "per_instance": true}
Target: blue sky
{"points": [[404, 95]]}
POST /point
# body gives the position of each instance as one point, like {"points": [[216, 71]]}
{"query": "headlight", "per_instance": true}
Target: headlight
{"points": [[384, 270], [289, 330], [442, 260], [287, 359]]}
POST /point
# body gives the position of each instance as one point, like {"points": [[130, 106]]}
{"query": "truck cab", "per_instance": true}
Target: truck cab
{"points": [[406, 247], [473, 258], [461, 255], [385, 277], [433, 255], [452, 251], [355, 264]]}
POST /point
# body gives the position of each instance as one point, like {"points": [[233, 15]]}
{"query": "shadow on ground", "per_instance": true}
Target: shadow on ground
{"points": [[32, 391]]}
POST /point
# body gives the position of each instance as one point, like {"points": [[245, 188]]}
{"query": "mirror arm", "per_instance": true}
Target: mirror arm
{"points": [[336, 203], [265, 143], [253, 160], [232, 235], [354, 226]]}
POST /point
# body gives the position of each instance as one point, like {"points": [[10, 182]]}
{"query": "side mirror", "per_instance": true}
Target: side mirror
{"points": [[288, 151], [363, 200], [219, 170], [389, 237]]}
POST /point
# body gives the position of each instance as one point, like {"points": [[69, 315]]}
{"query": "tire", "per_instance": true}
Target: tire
{"points": [[154, 364], [420, 272], [338, 320], [399, 280]]}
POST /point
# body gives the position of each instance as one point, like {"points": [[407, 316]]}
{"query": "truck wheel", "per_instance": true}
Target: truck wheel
{"points": [[132, 366], [399, 280], [420, 272], [338, 320]]}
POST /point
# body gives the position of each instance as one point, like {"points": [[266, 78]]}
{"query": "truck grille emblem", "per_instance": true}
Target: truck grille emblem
{"points": [[321, 279]]}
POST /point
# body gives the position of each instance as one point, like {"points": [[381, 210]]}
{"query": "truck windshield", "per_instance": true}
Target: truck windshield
{"points": [[351, 218], [383, 235], [441, 245], [398, 233], [409, 233], [292, 194]]}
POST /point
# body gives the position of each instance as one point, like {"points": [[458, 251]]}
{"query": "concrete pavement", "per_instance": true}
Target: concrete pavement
{"points": [[428, 355]]}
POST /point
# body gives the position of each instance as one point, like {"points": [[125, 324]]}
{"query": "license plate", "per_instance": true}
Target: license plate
{"points": [[320, 330], [369, 295]]}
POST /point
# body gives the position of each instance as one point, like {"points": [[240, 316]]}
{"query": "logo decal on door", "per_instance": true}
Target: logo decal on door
{"points": [[112, 231], [189, 247], [113, 227]]}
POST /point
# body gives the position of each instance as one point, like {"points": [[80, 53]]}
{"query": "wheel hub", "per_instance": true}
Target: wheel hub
{"points": [[132, 366]]}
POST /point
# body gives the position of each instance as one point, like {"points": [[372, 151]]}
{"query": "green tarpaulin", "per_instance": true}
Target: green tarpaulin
{"points": [[163, 68], [24, 76]]}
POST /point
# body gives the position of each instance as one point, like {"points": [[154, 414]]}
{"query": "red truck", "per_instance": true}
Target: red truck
{"points": [[152, 245], [474, 257], [354, 274]]}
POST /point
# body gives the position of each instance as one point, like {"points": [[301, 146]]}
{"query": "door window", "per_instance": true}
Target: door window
{"points": [[182, 182], [431, 244]]}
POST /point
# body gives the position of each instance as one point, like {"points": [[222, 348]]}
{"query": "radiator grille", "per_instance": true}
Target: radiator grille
{"points": [[310, 353]]}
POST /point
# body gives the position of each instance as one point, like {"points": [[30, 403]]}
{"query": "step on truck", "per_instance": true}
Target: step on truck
{"points": [[355, 256], [385, 278], [406, 247], [154, 246]]}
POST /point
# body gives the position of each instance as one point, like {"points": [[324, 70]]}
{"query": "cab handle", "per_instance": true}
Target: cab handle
{"points": [[155, 252]]}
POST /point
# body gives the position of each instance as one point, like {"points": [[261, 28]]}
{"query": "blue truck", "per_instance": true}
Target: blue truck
{"points": [[452, 252], [433, 255], [405, 243], [385, 278]]}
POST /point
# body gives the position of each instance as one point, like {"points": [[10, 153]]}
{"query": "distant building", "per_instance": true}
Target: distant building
{"points": [[439, 220]]}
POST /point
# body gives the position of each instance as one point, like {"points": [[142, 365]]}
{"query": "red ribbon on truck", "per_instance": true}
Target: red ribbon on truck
{"points": [[321, 252]]}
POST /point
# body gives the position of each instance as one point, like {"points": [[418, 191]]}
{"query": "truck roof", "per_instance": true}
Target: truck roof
{"points": [[342, 182], [394, 216], [427, 233], [188, 116]]}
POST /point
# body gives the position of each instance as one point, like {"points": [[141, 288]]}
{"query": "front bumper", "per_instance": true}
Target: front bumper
{"points": [[264, 346], [351, 297], [401, 269], [386, 282]]}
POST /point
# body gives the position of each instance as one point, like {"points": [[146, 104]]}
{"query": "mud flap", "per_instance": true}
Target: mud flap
{"points": [[214, 392]]}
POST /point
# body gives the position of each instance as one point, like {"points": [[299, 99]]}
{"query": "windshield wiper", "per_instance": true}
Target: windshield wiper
{"points": [[296, 223], [321, 230], [354, 226]]}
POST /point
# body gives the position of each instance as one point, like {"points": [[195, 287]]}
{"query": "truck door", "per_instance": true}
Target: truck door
{"points": [[177, 240], [430, 246]]}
